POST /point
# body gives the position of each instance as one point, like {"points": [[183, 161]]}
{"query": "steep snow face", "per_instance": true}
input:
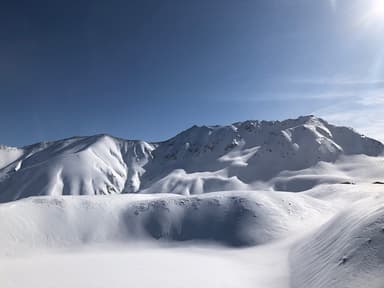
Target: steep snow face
{"points": [[9, 155], [241, 156], [76, 166]]}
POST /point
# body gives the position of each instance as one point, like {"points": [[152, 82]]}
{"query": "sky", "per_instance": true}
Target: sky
{"points": [[148, 69]]}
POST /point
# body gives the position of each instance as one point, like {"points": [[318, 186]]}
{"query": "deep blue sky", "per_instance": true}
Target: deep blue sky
{"points": [[148, 69]]}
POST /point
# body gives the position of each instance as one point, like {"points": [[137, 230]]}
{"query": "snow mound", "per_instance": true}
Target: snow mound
{"points": [[234, 218], [243, 156], [348, 251], [352, 169]]}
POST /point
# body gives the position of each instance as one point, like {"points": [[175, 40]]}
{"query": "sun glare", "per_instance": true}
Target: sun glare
{"points": [[375, 13], [377, 10]]}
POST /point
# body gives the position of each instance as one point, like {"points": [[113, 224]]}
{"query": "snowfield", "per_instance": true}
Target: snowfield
{"points": [[296, 203], [229, 218]]}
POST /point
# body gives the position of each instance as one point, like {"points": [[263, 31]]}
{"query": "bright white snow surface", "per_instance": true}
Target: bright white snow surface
{"points": [[329, 236], [253, 204], [290, 155]]}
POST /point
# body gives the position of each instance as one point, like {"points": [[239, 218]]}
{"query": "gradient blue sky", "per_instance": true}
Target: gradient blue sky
{"points": [[148, 69]]}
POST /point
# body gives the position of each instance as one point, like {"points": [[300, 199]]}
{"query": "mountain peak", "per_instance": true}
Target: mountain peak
{"points": [[198, 160]]}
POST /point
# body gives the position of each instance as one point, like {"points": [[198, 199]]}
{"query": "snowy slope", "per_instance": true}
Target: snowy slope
{"points": [[9, 155], [146, 227], [241, 156], [77, 166], [346, 252], [231, 218], [329, 236]]}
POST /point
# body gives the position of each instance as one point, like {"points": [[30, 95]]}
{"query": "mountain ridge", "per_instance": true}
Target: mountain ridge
{"points": [[213, 126], [201, 159]]}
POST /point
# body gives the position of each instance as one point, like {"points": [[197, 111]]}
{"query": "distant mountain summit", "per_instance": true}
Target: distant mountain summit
{"points": [[201, 159]]}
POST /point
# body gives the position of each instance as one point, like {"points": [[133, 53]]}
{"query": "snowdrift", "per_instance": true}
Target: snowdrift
{"points": [[230, 218], [346, 252]]}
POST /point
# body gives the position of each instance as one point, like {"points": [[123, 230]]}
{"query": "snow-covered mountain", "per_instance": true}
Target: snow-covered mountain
{"points": [[321, 233], [241, 156]]}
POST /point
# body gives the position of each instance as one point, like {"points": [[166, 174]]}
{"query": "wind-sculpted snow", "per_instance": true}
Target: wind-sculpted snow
{"points": [[346, 252], [242, 156], [231, 218], [326, 232], [78, 166]]}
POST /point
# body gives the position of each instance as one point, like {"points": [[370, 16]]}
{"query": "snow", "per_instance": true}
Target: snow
{"points": [[272, 204], [296, 239], [347, 249], [243, 156], [141, 267], [123, 238], [9, 155], [241, 218]]}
